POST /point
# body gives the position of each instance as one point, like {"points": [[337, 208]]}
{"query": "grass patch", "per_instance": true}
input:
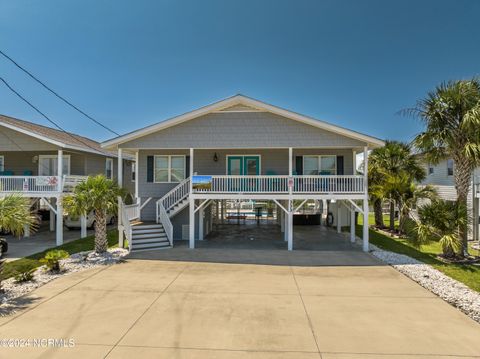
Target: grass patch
{"points": [[371, 220], [33, 261], [467, 274]]}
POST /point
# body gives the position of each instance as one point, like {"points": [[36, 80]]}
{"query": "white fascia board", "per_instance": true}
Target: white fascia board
{"points": [[236, 100]]}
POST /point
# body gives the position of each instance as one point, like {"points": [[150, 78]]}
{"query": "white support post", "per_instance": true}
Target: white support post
{"points": [[290, 161], [26, 231], [60, 169], [191, 231], [223, 211], [282, 220], [354, 162], [83, 226], [201, 213], [120, 204], [191, 166], [365, 201], [217, 211], [290, 225], [339, 217], [59, 233], [52, 216], [136, 174], [352, 224]]}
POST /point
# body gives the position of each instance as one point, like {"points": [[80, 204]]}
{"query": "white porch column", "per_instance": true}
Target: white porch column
{"points": [[59, 233], [120, 183], [365, 201], [191, 231], [352, 224], [339, 217], [290, 225], [52, 215], [201, 216], [223, 211], [83, 226], [26, 231], [290, 161], [60, 169], [282, 220], [136, 174]]}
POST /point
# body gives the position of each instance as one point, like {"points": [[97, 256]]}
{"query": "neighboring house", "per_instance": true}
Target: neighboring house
{"points": [[31, 156], [441, 176], [238, 149]]}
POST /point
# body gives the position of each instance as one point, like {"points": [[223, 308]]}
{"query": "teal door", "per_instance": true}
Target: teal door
{"points": [[251, 165], [243, 165]]}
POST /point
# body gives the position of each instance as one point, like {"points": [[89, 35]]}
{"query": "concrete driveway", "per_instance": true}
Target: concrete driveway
{"points": [[147, 308]]}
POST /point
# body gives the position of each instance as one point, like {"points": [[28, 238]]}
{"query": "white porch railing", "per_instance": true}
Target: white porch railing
{"points": [[132, 211], [283, 184], [31, 184], [171, 198], [166, 222], [167, 202], [125, 223], [71, 181], [328, 184]]}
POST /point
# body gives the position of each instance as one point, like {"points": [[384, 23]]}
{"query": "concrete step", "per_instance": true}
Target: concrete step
{"points": [[149, 235], [149, 246], [146, 226], [145, 231], [150, 249], [158, 240]]}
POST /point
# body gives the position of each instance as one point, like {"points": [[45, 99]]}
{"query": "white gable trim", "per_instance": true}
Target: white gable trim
{"points": [[241, 100]]}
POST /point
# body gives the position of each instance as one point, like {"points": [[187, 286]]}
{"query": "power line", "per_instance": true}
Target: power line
{"points": [[56, 94], [45, 116]]}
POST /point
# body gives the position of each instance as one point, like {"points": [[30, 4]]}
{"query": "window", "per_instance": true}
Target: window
{"points": [[319, 165], [109, 168], [450, 167], [2, 163], [169, 168], [133, 171], [430, 169], [47, 165]]}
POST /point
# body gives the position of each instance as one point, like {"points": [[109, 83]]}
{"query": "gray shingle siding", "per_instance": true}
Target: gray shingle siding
{"points": [[11, 140], [241, 130]]}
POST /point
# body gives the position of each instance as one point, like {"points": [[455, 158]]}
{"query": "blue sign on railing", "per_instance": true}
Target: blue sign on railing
{"points": [[202, 183]]}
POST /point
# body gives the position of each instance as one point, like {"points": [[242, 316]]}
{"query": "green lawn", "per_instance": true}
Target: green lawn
{"points": [[467, 274], [371, 220], [33, 261]]}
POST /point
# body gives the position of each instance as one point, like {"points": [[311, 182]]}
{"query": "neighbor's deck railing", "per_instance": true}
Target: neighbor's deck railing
{"points": [[31, 184], [283, 184], [39, 184]]}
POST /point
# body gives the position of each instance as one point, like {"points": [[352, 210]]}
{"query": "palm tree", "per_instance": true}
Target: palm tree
{"points": [[451, 114], [15, 215], [97, 194], [441, 220], [388, 167]]}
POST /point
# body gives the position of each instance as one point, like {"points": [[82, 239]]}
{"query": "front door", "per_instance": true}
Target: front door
{"points": [[243, 165]]}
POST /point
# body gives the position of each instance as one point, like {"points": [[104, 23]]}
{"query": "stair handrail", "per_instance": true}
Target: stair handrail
{"points": [[127, 227], [166, 223], [167, 202], [176, 194]]}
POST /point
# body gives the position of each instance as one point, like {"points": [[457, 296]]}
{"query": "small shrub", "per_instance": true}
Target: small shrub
{"points": [[52, 259], [25, 276]]}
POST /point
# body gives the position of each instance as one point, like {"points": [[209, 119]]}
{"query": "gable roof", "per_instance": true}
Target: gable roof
{"points": [[242, 103], [55, 137]]}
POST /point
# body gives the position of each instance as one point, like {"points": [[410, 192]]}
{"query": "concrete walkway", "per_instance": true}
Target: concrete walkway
{"points": [[186, 309]]}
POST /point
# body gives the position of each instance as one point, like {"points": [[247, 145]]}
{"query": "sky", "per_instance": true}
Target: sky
{"points": [[133, 63]]}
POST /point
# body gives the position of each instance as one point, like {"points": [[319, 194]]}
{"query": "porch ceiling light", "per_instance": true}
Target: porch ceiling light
{"points": [[215, 157]]}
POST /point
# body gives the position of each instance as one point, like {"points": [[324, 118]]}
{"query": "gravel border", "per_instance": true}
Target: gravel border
{"points": [[75, 263], [450, 290]]}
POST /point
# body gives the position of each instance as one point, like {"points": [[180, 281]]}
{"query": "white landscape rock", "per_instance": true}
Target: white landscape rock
{"points": [[450, 290], [75, 263]]}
